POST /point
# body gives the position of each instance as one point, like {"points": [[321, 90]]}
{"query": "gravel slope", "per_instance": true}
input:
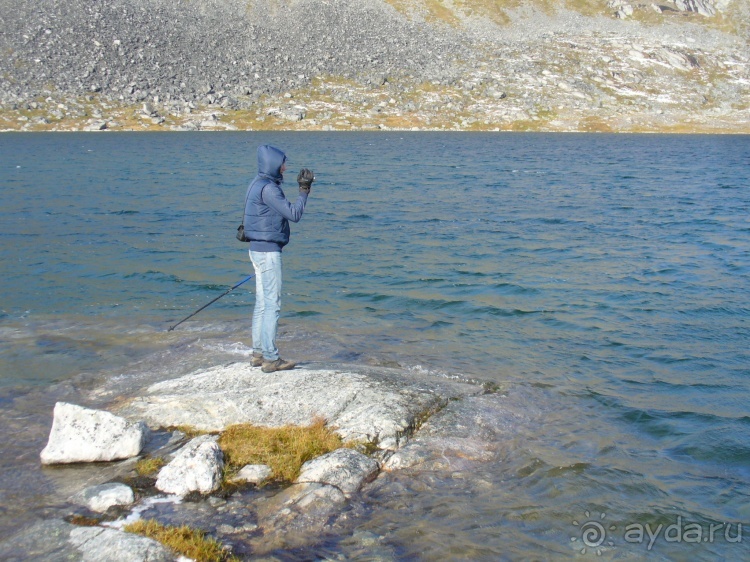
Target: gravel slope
{"points": [[363, 64]]}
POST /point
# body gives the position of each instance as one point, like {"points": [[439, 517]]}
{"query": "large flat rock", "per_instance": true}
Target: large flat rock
{"points": [[375, 406]]}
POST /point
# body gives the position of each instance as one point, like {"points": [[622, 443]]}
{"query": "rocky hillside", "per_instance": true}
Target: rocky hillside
{"points": [[547, 65]]}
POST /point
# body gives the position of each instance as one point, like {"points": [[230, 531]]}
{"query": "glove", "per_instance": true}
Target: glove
{"points": [[305, 179]]}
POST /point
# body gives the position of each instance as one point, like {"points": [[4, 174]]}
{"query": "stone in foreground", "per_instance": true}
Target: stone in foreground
{"points": [[296, 515], [197, 467], [253, 473], [57, 541], [97, 544], [26, 544], [101, 498], [345, 469], [372, 408], [84, 435]]}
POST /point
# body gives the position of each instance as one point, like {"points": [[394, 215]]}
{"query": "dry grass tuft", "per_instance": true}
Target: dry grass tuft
{"points": [[149, 466], [284, 449], [190, 542]]}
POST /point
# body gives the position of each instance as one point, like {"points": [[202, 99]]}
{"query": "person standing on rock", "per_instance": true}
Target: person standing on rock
{"points": [[266, 220]]}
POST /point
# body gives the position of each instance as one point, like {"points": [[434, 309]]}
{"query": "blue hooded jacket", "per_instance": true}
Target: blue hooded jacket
{"points": [[267, 210]]}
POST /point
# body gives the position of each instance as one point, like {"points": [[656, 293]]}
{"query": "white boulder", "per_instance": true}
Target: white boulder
{"points": [[101, 498], [84, 435], [253, 473], [96, 126], [197, 467], [345, 469]]}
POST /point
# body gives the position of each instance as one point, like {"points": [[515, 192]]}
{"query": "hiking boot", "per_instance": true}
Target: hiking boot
{"points": [[277, 365], [257, 360]]}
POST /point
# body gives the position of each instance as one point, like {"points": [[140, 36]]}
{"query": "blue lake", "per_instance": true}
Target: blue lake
{"points": [[603, 280]]}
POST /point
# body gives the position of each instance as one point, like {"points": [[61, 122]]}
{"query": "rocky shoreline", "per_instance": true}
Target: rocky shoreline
{"points": [[401, 421], [351, 65]]}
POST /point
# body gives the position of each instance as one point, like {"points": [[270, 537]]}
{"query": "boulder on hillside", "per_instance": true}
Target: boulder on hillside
{"points": [[81, 434], [703, 7]]}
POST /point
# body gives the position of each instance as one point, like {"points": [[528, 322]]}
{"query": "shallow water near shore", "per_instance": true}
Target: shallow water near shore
{"points": [[599, 281]]}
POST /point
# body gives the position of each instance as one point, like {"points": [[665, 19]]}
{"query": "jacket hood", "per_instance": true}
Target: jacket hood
{"points": [[270, 160]]}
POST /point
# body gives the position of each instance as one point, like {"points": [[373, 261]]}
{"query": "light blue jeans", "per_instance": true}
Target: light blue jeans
{"points": [[267, 310]]}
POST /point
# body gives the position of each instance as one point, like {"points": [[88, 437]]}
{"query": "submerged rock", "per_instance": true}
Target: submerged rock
{"points": [[296, 515], [101, 498], [370, 408], [462, 436], [80, 434], [440, 453], [197, 467]]}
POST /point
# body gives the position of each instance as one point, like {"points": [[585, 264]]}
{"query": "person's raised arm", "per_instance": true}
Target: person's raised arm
{"points": [[274, 197]]}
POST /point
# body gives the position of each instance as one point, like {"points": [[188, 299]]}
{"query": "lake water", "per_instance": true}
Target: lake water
{"points": [[601, 281]]}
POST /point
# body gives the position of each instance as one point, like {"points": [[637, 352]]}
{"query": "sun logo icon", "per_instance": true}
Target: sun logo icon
{"points": [[593, 533]]}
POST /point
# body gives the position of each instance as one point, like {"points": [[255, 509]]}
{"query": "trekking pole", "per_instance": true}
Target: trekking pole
{"points": [[212, 302]]}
